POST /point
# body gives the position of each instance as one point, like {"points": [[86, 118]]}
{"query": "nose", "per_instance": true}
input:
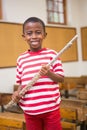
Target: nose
{"points": [[34, 35]]}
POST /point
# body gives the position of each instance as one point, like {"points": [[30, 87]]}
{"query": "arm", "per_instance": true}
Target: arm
{"points": [[45, 70], [15, 96], [55, 77]]}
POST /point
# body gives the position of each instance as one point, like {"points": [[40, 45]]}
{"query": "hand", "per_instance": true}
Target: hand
{"points": [[44, 70], [16, 97]]}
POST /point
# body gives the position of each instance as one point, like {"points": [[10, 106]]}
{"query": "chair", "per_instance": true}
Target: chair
{"points": [[69, 118]]}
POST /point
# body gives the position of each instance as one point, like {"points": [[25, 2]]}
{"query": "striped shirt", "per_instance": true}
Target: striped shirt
{"points": [[44, 95]]}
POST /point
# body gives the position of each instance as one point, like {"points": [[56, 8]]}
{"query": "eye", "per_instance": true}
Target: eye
{"points": [[38, 32], [28, 33]]}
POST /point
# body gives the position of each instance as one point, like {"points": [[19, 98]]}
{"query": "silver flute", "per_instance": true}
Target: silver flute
{"points": [[37, 76]]}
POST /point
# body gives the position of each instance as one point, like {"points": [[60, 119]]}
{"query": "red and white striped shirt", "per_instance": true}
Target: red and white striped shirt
{"points": [[44, 95]]}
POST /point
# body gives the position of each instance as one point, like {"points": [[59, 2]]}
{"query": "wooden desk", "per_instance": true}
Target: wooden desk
{"points": [[74, 103], [4, 99], [12, 121], [79, 105]]}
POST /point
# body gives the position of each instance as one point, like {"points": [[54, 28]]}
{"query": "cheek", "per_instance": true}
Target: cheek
{"points": [[42, 37], [27, 38]]}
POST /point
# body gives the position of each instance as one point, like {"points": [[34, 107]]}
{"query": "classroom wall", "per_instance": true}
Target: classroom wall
{"points": [[17, 11], [77, 17]]}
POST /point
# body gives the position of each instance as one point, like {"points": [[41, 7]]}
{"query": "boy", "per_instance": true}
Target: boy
{"points": [[41, 103]]}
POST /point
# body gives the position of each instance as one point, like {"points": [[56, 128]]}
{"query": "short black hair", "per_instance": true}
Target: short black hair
{"points": [[34, 19]]}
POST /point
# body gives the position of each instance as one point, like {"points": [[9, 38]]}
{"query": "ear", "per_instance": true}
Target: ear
{"points": [[23, 36], [45, 34]]}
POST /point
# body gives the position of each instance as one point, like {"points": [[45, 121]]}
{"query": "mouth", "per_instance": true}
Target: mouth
{"points": [[34, 42]]}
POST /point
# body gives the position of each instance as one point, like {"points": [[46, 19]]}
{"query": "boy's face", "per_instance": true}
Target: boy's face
{"points": [[34, 35]]}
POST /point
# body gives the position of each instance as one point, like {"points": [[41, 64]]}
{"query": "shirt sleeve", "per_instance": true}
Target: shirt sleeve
{"points": [[58, 67], [18, 73]]}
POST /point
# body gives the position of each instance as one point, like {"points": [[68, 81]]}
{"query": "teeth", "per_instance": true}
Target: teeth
{"points": [[34, 43]]}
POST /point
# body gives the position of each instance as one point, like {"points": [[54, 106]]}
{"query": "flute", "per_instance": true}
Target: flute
{"points": [[37, 76]]}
